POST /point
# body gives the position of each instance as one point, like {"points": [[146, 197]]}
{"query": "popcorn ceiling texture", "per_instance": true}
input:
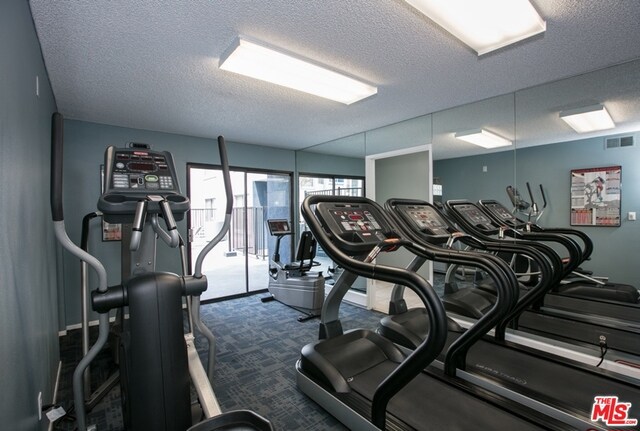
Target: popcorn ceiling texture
{"points": [[153, 64]]}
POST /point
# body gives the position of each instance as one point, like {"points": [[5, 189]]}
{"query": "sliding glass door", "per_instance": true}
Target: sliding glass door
{"points": [[309, 184], [269, 198], [238, 264]]}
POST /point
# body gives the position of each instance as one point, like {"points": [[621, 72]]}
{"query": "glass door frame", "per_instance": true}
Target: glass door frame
{"points": [[333, 177], [352, 296], [245, 172]]}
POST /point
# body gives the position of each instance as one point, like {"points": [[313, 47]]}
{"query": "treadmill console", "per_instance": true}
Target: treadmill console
{"points": [[501, 213], [353, 227], [475, 217], [132, 174], [426, 219]]}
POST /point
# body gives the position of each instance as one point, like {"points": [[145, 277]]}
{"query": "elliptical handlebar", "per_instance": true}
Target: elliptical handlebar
{"points": [[57, 130], [226, 176], [544, 197], [139, 219], [534, 205], [57, 212], [57, 138], [170, 236], [224, 161]]}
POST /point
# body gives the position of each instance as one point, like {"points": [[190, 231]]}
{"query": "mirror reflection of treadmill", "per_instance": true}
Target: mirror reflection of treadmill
{"points": [[342, 371], [520, 373], [578, 311]]}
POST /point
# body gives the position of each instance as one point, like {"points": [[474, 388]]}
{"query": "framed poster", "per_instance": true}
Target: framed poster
{"points": [[111, 231], [595, 196]]}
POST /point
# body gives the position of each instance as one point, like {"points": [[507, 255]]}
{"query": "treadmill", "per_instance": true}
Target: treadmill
{"points": [[620, 301], [580, 326], [366, 381], [582, 279], [525, 375], [425, 225]]}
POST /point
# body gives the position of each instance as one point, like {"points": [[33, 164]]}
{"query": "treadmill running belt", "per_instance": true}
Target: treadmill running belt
{"points": [[428, 403], [548, 381]]}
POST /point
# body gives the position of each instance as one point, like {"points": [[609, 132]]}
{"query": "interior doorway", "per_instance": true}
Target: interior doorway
{"points": [[239, 263], [405, 173]]}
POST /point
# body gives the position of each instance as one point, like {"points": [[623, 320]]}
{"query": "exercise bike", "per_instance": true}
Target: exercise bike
{"points": [[295, 284]]}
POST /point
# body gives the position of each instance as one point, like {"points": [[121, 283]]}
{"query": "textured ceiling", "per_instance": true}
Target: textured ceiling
{"points": [[153, 64]]}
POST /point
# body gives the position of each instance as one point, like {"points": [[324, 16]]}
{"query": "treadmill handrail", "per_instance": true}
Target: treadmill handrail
{"points": [[545, 257], [496, 267], [575, 253], [505, 280], [433, 344], [586, 250], [509, 228], [547, 251], [510, 279]]}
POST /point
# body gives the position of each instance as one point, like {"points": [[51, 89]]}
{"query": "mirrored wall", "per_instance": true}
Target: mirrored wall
{"points": [[543, 150], [591, 180]]}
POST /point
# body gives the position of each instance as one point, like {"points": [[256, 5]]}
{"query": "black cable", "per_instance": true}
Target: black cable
{"points": [[603, 351]]}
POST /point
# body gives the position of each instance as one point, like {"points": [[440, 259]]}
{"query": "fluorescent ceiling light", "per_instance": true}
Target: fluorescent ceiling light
{"points": [[259, 61], [483, 138], [588, 119], [484, 25]]}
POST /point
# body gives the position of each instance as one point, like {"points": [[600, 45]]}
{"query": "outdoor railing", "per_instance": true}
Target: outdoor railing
{"points": [[255, 241], [339, 191]]}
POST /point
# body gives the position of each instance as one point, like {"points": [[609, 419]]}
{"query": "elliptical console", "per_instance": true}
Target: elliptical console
{"points": [[133, 173], [157, 358]]}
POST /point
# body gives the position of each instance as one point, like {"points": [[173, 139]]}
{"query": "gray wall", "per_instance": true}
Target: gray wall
{"points": [[616, 248], [463, 178], [317, 163], [404, 176], [28, 291]]}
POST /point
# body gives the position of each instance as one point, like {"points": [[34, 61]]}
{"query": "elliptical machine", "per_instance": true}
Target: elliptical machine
{"points": [[156, 358], [293, 283], [531, 210]]}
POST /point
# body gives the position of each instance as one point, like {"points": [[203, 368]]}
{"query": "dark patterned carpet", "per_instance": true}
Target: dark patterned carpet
{"points": [[258, 345]]}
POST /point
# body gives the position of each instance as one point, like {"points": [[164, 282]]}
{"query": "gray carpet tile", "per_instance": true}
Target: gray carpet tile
{"points": [[257, 347]]}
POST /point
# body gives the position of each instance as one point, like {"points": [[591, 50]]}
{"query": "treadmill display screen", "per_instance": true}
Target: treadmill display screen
{"points": [[353, 227], [356, 220], [474, 216], [427, 220], [500, 211]]}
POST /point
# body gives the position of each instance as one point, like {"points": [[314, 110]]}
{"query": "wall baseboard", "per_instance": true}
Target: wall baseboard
{"points": [[112, 319], [64, 332]]}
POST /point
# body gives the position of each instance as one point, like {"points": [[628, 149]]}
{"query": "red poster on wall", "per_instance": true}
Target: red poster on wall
{"points": [[595, 196]]}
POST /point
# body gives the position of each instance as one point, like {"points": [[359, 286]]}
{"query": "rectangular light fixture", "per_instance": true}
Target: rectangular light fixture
{"points": [[484, 25], [588, 119], [260, 61], [483, 138]]}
